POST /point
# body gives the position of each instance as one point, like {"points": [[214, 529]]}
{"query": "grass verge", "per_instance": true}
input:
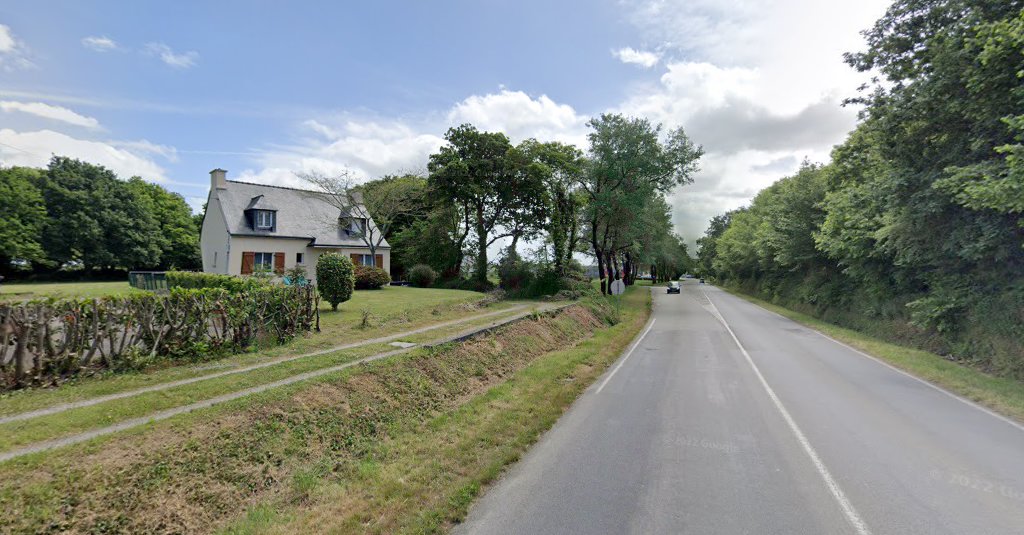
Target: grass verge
{"points": [[78, 420], [448, 418], [1002, 395]]}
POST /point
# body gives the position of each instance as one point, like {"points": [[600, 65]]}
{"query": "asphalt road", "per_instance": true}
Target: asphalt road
{"points": [[727, 418]]}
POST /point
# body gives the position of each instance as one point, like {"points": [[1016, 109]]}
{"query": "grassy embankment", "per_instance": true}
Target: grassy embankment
{"points": [[398, 445], [1003, 395], [394, 305]]}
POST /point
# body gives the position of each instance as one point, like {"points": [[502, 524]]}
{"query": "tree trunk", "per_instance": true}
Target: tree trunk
{"points": [[481, 253], [599, 254]]}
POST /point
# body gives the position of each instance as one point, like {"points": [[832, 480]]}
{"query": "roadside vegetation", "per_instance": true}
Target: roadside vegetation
{"points": [[401, 444], [1001, 394], [913, 232]]}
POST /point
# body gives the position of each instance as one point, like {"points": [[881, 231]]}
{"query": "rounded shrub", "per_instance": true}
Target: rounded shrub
{"points": [[371, 278], [514, 274], [422, 275], [335, 278]]}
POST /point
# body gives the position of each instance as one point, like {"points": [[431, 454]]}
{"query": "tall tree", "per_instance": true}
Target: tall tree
{"points": [[628, 163], [94, 218], [24, 215], [489, 181], [560, 168], [178, 237]]}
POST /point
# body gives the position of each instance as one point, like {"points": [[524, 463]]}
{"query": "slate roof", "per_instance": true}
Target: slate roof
{"points": [[300, 214]]}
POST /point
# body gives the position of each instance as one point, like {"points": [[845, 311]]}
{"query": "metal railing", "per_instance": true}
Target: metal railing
{"points": [[154, 281]]}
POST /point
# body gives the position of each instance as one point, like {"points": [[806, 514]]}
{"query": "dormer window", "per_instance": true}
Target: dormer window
{"points": [[353, 226], [264, 219]]}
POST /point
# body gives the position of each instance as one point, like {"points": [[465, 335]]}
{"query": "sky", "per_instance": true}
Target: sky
{"points": [[170, 90]]}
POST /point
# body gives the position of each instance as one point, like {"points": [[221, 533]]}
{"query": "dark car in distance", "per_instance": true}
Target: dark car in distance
{"points": [[673, 287]]}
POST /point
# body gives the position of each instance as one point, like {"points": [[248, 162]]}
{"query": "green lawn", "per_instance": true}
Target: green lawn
{"points": [[1003, 395], [32, 290]]}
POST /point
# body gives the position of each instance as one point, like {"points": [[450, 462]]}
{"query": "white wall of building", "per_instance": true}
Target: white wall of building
{"points": [[214, 240]]}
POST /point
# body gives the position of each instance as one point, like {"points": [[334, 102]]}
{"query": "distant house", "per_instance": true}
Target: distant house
{"points": [[254, 227]]}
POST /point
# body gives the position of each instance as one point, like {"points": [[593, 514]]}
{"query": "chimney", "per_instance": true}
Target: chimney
{"points": [[218, 179]]}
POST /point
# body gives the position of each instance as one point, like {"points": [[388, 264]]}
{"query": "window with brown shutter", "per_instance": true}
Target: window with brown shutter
{"points": [[378, 261], [356, 259], [279, 263], [248, 259]]}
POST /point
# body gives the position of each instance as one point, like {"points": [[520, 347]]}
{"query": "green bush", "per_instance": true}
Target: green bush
{"points": [[422, 275], [335, 278], [196, 280], [514, 275], [371, 278]]}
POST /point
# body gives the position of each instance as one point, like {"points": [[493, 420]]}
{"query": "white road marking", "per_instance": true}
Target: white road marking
{"points": [[623, 361], [844, 503], [901, 371]]}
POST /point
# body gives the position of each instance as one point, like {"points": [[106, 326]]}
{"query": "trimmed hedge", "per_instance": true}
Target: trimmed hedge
{"points": [[335, 278], [371, 278], [45, 341], [422, 275], [192, 279]]}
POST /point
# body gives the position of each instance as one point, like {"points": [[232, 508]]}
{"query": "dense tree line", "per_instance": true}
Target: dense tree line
{"points": [[914, 227], [74, 215], [608, 202]]}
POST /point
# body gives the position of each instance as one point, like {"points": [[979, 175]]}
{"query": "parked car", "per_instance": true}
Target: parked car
{"points": [[673, 287], [702, 281]]}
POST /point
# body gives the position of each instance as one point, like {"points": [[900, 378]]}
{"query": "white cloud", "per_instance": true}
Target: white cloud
{"points": [[13, 54], [99, 43], [143, 146], [36, 148], [520, 117], [47, 111], [373, 147], [760, 88], [182, 60], [7, 42], [643, 58]]}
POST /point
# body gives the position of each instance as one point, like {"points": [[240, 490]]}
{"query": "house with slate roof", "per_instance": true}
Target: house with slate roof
{"points": [[255, 227]]}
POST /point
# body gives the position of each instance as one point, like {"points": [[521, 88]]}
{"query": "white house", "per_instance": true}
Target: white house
{"points": [[252, 227]]}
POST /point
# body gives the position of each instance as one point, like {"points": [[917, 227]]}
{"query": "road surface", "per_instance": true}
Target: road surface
{"points": [[727, 418]]}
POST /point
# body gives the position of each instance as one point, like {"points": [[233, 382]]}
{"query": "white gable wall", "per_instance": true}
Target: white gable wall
{"points": [[214, 240]]}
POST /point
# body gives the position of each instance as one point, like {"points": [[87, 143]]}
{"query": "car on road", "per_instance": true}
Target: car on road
{"points": [[702, 281], [673, 287]]}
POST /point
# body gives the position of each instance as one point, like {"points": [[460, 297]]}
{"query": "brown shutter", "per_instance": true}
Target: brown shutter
{"points": [[378, 261], [356, 259], [279, 263], [248, 259]]}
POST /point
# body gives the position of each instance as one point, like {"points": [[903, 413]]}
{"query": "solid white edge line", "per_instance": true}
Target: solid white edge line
{"points": [[833, 487], [901, 371], [623, 361]]}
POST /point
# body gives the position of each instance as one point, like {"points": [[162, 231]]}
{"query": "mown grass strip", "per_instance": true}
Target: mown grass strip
{"points": [[119, 414], [197, 471], [1002, 395], [249, 368], [424, 309], [425, 477]]}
